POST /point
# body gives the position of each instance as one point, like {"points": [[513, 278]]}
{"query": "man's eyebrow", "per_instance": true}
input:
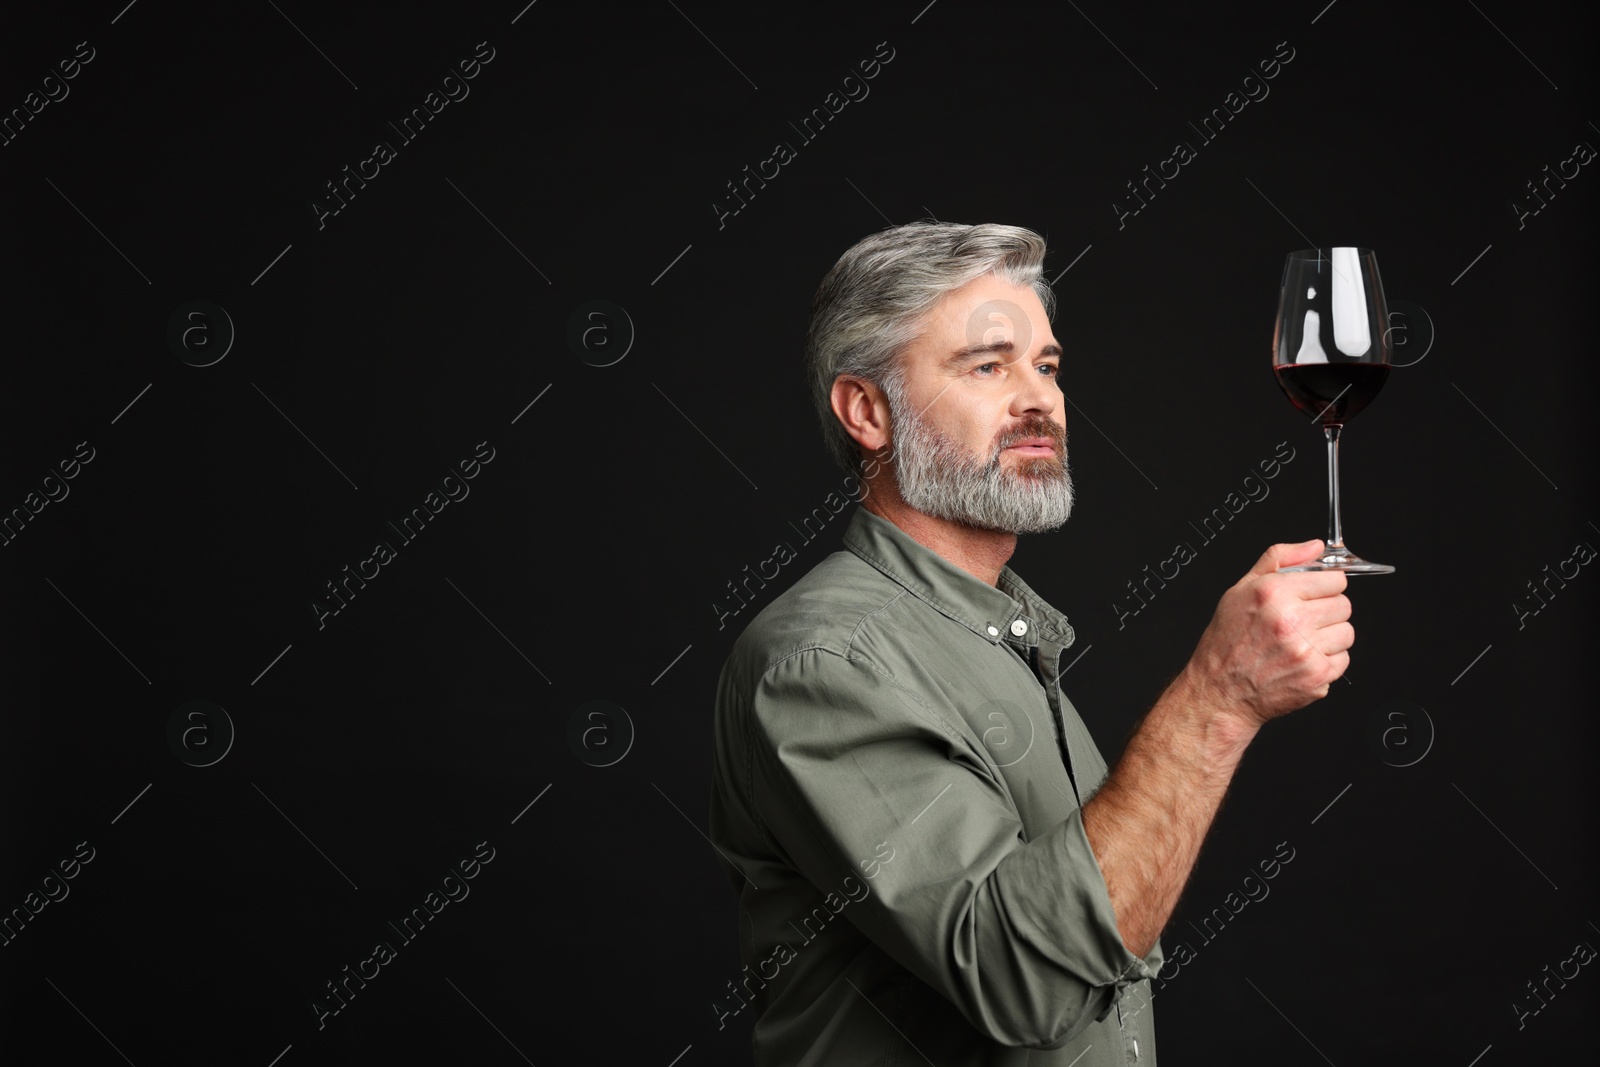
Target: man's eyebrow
{"points": [[971, 352]]}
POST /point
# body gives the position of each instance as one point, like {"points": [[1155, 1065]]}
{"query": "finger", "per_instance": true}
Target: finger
{"points": [[1315, 585], [1325, 611], [1286, 555], [1334, 640], [1339, 663]]}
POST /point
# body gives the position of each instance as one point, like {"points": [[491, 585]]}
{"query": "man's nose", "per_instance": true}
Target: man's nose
{"points": [[1037, 391]]}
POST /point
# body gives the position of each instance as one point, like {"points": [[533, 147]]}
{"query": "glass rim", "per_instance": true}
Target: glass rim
{"points": [[1311, 253]]}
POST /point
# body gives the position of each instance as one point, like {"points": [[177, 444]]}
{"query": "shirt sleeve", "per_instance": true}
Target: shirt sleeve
{"points": [[1019, 935]]}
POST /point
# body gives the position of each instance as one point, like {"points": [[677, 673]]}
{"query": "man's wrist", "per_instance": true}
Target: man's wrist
{"points": [[1221, 727]]}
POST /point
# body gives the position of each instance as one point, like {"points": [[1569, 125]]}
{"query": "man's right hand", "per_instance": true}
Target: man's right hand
{"points": [[1276, 641]]}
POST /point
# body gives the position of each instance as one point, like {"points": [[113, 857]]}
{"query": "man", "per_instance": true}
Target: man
{"points": [[932, 862]]}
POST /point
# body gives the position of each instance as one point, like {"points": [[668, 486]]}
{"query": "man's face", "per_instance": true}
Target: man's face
{"points": [[980, 398]]}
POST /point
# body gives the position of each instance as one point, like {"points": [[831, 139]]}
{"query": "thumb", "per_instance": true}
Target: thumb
{"points": [[1286, 555]]}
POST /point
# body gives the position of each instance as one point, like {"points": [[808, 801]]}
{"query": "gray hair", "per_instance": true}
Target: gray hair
{"points": [[872, 304]]}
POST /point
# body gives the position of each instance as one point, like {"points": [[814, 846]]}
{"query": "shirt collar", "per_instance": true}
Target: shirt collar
{"points": [[994, 612]]}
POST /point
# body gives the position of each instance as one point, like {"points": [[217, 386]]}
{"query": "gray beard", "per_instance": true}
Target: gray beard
{"points": [[939, 476]]}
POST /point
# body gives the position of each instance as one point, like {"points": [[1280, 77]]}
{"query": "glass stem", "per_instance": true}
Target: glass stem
{"points": [[1335, 529]]}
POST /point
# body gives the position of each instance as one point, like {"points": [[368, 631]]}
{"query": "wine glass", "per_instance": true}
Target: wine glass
{"points": [[1330, 354]]}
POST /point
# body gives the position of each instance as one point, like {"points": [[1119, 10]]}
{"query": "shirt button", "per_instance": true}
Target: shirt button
{"points": [[1019, 627], [993, 632]]}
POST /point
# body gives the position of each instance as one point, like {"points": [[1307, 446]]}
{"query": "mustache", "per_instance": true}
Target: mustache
{"points": [[1041, 428]]}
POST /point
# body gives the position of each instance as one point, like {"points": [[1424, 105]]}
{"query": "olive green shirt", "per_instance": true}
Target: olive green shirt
{"points": [[898, 784]]}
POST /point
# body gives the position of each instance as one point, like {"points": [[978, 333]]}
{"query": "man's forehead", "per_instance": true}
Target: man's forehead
{"points": [[996, 327], [989, 310]]}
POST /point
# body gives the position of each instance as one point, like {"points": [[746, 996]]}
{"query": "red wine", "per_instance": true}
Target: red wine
{"points": [[1338, 391]]}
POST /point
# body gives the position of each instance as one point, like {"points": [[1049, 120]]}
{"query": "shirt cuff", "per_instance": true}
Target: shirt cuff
{"points": [[1077, 926]]}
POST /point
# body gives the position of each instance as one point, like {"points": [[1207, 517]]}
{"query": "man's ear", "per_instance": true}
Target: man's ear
{"points": [[862, 409]]}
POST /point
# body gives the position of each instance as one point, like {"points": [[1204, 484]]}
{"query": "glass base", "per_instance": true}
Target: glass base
{"points": [[1341, 559]]}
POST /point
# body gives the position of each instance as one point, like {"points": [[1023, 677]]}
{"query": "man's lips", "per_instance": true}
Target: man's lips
{"points": [[1034, 446]]}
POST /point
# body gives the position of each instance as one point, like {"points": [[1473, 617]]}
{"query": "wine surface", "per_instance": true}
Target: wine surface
{"points": [[1338, 391]]}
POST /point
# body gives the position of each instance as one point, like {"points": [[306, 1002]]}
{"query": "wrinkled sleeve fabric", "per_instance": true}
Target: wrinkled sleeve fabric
{"points": [[1019, 935]]}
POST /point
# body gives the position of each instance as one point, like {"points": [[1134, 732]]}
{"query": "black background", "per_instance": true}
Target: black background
{"points": [[374, 353]]}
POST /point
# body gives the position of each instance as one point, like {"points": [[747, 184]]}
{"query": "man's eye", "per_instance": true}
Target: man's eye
{"points": [[982, 370]]}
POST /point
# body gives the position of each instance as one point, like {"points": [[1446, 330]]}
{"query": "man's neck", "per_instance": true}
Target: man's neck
{"points": [[981, 553]]}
